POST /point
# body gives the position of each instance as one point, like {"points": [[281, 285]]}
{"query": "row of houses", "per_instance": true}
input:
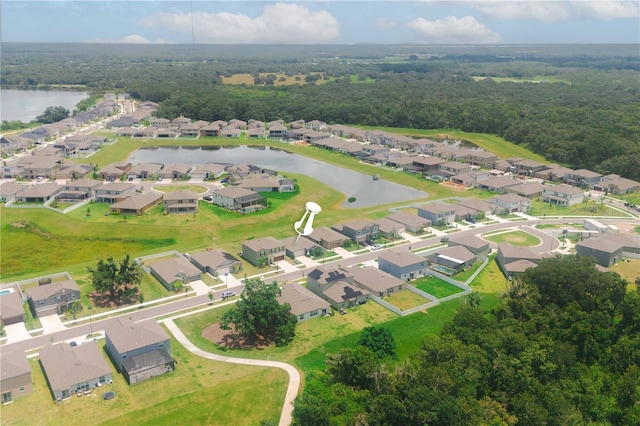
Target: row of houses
{"points": [[139, 351]]}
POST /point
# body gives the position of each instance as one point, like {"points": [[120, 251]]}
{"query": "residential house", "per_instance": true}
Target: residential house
{"points": [[471, 178], [145, 171], [335, 285], [438, 213], [136, 204], [614, 184], [464, 213], [175, 171], [175, 272], [139, 350], [529, 190], [146, 132], [313, 136], [402, 264], [210, 130], [266, 183], [607, 249], [373, 149], [299, 246], [389, 229], [40, 166], [452, 168], [80, 189], [411, 222], [327, 238], [52, 298], [427, 165], [582, 178], [216, 262], [189, 131], [525, 167], [553, 173], [510, 203], [208, 171], [267, 248], [359, 230], [15, 376], [70, 370], [256, 133], [452, 259], [9, 190], [181, 121], [185, 201], [479, 247], [497, 183], [277, 131], [482, 158], [161, 123], [482, 207], [74, 171], [115, 171], [239, 199], [40, 193], [514, 260], [230, 132], [375, 281], [304, 303], [562, 195], [11, 306], [113, 192], [315, 125]]}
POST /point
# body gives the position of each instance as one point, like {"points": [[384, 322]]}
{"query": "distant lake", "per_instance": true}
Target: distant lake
{"points": [[25, 105], [353, 184]]}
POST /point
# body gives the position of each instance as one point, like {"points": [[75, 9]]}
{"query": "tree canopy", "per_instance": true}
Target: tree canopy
{"points": [[53, 114], [119, 280], [258, 313], [562, 348]]}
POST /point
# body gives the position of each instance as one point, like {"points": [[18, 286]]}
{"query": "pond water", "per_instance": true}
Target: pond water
{"points": [[353, 184], [26, 105]]}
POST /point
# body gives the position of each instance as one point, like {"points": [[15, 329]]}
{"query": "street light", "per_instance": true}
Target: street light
{"points": [[226, 279], [90, 321]]}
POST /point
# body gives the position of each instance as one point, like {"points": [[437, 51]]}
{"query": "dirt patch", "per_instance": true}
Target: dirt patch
{"points": [[302, 143], [19, 224], [455, 185], [232, 340]]}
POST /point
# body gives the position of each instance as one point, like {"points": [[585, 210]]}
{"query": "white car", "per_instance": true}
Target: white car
{"points": [[226, 294]]}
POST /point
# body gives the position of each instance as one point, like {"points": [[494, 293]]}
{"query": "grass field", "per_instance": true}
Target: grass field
{"points": [[405, 300], [588, 208], [281, 79], [436, 287], [629, 269], [516, 238], [491, 281]]}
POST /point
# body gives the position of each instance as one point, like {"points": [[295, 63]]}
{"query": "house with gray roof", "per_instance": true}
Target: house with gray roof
{"points": [[115, 171], [277, 131], [427, 165], [562, 195], [359, 230], [304, 303], [74, 171], [11, 306], [497, 183], [335, 285], [175, 272], [388, 228], [411, 222], [529, 190], [15, 376], [614, 184], [145, 171], [607, 249], [475, 245], [327, 238], [375, 281], [299, 246], [514, 260], [402, 264], [39, 193], [136, 204], [74, 369], [208, 171], [267, 248], [185, 201], [216, 262], [9, 190], [239, 199], [525, 167], [50, 298], [113, 192], [453, 259], [438, 212], [582, 178], [139, 350], [480, 206], [510, 203], [175, 171]]}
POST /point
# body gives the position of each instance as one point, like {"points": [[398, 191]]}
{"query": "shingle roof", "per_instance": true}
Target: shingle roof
{"points": [[300, 299], [374, 279], [127, 335], [401, 258], [13, 364], [45, 291], [66, 366]]}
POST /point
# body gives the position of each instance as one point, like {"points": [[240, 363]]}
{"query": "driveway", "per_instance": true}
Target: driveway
{"points": [[200, 287], [51, 324], [16, 332], [286, 266]]}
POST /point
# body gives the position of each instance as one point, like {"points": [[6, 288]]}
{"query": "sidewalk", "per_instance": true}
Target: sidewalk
{"points": [[343, 252]]}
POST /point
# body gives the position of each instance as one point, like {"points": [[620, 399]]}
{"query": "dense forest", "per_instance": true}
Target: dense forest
{"points": [[572, 107], [562, 348]]}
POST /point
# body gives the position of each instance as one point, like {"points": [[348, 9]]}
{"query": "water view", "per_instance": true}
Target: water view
{"points": [[26, 105], [353, 184]]}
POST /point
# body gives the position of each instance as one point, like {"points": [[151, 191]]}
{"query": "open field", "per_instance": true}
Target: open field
{"points": [[199, 391], [435, 287], [534, 79], [281, 79], [406, 299], [588, 208], [491, 280], [516, 238], [629, 269]]}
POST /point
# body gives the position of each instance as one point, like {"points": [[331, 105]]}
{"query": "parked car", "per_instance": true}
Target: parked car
{"points": [[208, 198], [229, 293]]}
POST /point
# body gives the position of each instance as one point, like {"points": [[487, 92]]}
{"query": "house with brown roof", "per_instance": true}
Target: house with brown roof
{"points": [[510, 203], [210, 130], [113, 192], [74, 171], [189, 130], [15, 376], [299, 246], [304, 303], [9, 190], [230, 132], [562, 195], [327, 238], [145, 171], [175, 272], [464, 213], [39, 193], [497, 183], [452, 168], [427, 165], [267, 248], [40, 166], [139, 350], [70, 370], [554, 173], [479, 247], [208, 171], [529, 190], [614, 184], [480, 206], [175, 171], [239, 199], [11, 306], [216, 262], [411, 222], [482, 158], [375, 281], [136, 204], [438, 213], [388, 228], [359, 231], [115, 171], [80, 188], [335, 285], [50, 298], [277, 131], [514, 260], [402, 264], [185, 201], [525, 167]]}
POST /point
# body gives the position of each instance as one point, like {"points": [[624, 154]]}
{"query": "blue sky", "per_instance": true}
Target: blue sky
{"points": [[322, 21]]}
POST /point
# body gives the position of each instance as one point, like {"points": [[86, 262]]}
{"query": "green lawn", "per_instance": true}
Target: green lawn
{"points": [[435, 287], [405, 300], [491, 281], [588, 208], [516, 238], [466, 274], [180, 187]]}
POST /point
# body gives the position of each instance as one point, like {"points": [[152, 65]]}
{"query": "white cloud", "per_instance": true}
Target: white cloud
{"points": [[130, 39], [607, 10], [454, 30], [385, 23], [279, 23]]}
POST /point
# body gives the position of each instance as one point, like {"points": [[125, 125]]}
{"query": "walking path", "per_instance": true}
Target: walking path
{"points": [[286, 415]]}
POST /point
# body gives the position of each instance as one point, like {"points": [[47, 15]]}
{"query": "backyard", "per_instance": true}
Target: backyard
{"points": [[405, 300], [435, 287]]}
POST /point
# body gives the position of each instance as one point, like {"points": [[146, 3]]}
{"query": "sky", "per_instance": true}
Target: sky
{"points": [[322, 21]]}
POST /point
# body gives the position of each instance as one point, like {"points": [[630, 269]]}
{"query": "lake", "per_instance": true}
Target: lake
{"points": [[353, 184], [26, 105]]}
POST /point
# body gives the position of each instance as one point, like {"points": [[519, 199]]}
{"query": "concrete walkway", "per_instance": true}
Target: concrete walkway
{"points": [[294, 376], [51, 324]]}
